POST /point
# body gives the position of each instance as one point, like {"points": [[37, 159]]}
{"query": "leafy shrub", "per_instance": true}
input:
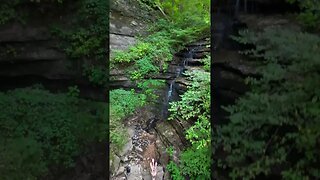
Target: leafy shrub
{"points": [[183, 12], [275, 124], [195, 105], [143, 68], [149, 88], [87, 38], [207, 63], [97, 75], [174, 171], [122, 103], [21, 158], [149, 56], [39, 130], [196, 163], [310, 14], [7, 12]]}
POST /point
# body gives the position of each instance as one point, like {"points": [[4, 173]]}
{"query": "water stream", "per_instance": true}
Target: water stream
{"points": [[172, 93]]}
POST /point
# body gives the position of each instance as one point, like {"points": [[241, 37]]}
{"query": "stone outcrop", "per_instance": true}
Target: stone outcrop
{"points": [[31, 54], [127, 20]]}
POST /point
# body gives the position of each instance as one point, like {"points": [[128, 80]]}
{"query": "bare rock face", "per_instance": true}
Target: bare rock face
{"points": [[128, 19]]}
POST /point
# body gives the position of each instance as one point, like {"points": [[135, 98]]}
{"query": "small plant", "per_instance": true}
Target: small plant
{"points": [[207, 63], [74, 91], [174, 171], [149, 88], [97, 75], [170, 151]]}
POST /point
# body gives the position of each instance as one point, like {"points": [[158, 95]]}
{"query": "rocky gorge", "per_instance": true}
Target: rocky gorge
{"points": [[150, 134]]}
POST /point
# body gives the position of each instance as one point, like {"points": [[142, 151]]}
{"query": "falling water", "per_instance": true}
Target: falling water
{"points": [[170, 90], [172, 94]]}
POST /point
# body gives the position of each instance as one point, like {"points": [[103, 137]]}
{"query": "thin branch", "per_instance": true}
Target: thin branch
{"points": [[164, 14]]}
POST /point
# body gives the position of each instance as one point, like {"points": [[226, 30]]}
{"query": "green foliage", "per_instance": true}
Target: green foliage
{"points": [[142, 68], [7, 11], [186, 11], [170, 151], [74, 91], [207, 63], [97, 75], [195, 105], [146, 57], [196, 163], [174, 171], [196, 101], [138, 51], [122, 104], [39, 130], [87, 38], [21, 158], [310, 14], [276, 123], [149, 88]]}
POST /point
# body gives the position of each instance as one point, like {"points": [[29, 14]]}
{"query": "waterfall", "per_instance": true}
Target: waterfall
{"points": [[172, 94], [170, 90]]}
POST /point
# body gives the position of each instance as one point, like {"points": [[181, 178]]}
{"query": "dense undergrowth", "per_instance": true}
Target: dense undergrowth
{"points": [[195, 105], [274, 128], [310, 13], [42, 132]]}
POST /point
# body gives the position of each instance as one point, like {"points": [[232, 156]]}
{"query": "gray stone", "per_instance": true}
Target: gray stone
{"points": [[120, 42], [16, 32], [135, 173], [139, 149], [125, 159], [115, 164], [159, 173], [120, 170], [126, 148]]}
